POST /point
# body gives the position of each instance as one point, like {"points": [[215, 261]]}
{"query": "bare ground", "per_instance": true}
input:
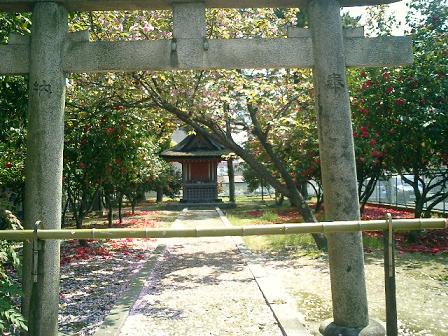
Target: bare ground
{"points": [[201, 287], [422, 289]]}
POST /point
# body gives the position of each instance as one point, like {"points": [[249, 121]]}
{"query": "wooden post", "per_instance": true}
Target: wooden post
{"points": [[389, 278]]}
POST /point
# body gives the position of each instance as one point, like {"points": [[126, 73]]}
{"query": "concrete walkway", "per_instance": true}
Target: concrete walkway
{"points": [[200, 287]]}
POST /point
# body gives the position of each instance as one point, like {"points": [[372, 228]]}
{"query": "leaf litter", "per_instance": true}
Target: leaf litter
{"points": [[94, 276]]}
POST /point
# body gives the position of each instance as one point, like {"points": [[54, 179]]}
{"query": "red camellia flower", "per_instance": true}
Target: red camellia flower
{"points": [[118, 108], [372, 143], [367, 84], [82, 165], [400, 101], [110, 130], [364, 133], [386, 75], [376, 154], [364, 111], [7, 165], [363, 74], [389, 90]]}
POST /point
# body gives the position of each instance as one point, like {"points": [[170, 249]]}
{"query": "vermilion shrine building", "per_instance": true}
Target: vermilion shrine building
{"points": [[199, 157]]}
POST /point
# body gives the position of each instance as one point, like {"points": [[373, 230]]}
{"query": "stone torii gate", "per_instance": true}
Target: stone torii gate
{"points": [[50, 52]]}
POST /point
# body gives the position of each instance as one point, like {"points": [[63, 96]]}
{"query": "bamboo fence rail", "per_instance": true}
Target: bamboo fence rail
{"points": [[249, 230]]}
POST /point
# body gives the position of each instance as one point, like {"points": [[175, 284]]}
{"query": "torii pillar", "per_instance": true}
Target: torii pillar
{"points": [[45, 142], [345, 250]]}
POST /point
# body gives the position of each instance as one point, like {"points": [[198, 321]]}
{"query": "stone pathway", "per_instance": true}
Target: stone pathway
{"points": [[201, 287]]}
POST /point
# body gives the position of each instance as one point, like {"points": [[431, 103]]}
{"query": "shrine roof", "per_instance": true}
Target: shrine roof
{"points": [[94, 5], [195, 146]]}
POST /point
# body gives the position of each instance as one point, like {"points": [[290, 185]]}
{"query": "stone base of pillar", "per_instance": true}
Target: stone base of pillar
{"points": [[329, 328]]}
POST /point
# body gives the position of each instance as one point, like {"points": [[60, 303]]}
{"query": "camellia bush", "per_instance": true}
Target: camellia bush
{"points": [[13, 107], [11, 320], [401, 114]]}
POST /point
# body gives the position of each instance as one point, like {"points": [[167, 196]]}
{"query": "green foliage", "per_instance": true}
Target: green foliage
{"points": [[111, 146], [269, 216], [168, 179], [253, 180], [13, 108], [18, 22], [10, 318], [114, 135]]}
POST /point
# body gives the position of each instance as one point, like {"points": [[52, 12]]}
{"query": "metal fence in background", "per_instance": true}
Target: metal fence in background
{"points": [[396, 192]]}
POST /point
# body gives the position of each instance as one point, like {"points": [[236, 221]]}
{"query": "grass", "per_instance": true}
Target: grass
{"points": [[372, 243], [252, 210], [293, 245]]}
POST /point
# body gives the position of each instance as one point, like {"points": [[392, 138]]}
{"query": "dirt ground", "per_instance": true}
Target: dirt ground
{"points": [[200, 287], [422, 289], [422, 284]]}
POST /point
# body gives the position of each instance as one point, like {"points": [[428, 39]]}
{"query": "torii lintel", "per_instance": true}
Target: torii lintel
{"points": [[292, 52], [100, 5]]}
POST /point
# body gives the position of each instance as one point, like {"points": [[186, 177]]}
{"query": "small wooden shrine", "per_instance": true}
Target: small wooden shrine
{"points": [[199, 156]]}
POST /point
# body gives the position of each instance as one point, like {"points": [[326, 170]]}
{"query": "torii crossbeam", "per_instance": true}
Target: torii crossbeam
{"points": [[51, 52], [190, 49], [103, 5]]}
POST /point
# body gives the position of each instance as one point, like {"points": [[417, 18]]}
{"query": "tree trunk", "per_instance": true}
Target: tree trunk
{"points": [[279, 198], [140, 195], [159, 190], [319, 202], [365, 194], [120, 207], [231, 173], [109, 209], [419, 205], [97, 204], [64, 212], [79, 219], [305, 211], [303, 189], [133, 206]]}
